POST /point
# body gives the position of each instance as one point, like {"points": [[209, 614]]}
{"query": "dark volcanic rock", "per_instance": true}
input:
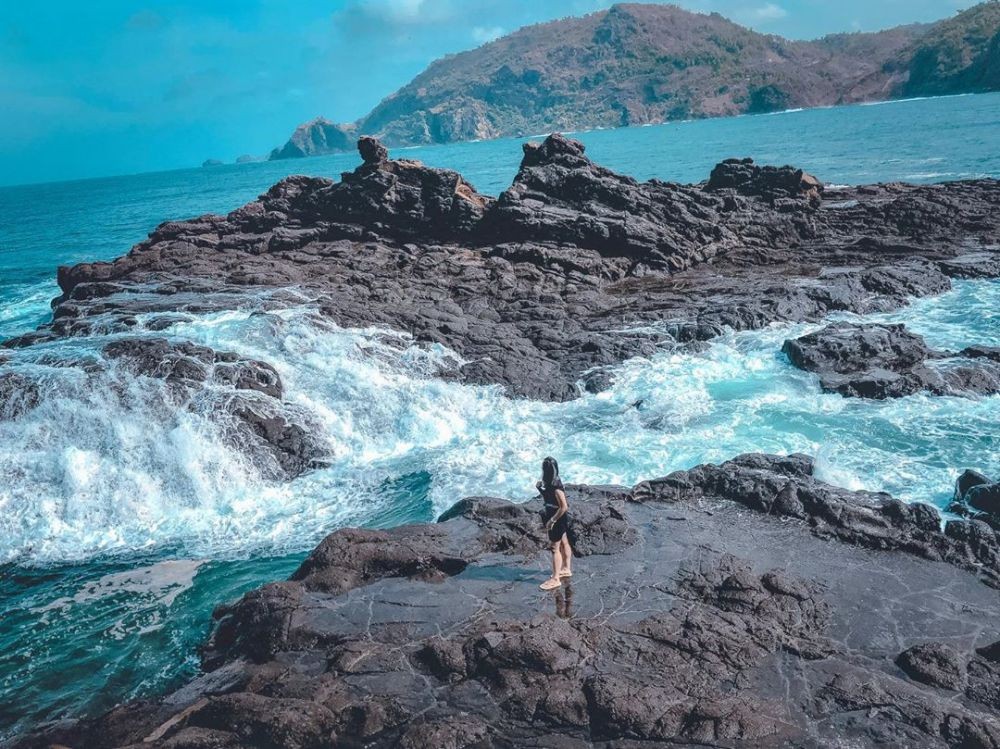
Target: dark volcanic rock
{"points": [[18, 395], [933, 663], [244, 394], [372, 152], [560, 196], [726, 580], [981, 352], [399, 198], [843, 348], [886, 361], [968, 479], [574, 268], [188, 364], [769, 182], [985, 497]]}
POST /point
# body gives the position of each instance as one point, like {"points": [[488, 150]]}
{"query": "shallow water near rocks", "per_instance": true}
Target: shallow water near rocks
{"points": [[124, 520]]}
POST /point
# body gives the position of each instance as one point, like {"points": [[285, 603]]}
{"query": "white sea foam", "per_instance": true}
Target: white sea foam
{"points": [[160, 583], [112, 464]]}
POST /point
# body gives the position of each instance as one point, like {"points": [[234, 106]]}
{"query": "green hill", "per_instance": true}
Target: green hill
{"points": [[642, 63]]}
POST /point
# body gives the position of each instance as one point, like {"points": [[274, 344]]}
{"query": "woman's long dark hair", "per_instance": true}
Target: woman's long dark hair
{"points": [[550, 471]]}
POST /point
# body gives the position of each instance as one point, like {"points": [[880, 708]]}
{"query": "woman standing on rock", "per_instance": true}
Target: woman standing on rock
{"points": [[556, 519]]}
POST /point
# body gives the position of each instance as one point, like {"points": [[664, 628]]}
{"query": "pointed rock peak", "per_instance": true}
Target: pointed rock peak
{"points": [[372, 151], [551, 149]]}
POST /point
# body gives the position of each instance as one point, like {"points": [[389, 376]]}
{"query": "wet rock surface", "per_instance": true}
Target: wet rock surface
{"points": [[728, 613], [572, 269], [243, 396], [977, 496], [888, 361]]}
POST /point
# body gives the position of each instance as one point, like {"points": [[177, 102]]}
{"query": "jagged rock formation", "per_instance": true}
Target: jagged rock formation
{"points": [[544, 287], [888, 361], [647, 63], [977, 496], [713, 607]]}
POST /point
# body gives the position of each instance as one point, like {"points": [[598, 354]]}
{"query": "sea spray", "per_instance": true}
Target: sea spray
{"points": [[115, 464]]}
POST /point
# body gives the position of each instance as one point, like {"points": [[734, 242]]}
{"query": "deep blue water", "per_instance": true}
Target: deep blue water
{"points": [[123, 522]]}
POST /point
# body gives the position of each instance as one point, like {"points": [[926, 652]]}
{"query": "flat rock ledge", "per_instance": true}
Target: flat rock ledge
{"points": [[746, 604]]}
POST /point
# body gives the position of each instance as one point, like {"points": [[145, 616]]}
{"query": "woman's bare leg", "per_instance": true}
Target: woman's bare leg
{"points": [[567, 555], [553, 582]]}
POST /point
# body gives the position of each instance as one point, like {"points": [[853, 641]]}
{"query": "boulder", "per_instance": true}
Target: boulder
{"points": [[968, 479], [933, 663], [985, 498], [768, 182], [372, 151], [845, 348]]}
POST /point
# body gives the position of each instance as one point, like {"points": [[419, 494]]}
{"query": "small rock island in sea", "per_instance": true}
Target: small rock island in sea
{"points": [[746, 604]]}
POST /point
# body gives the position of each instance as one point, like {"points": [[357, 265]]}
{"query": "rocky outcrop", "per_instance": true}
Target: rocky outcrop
{"points": [[573, 269], [559, 196], [728, 614], [769, 182], [888, 361], [315, 137], [978, 496]]}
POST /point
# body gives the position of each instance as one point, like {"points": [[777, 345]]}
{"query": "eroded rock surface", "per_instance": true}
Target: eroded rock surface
{"points": [[545, 287], [888, 361], [977, 496], [719, 606]]}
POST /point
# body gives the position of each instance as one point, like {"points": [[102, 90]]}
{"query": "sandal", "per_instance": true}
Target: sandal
{"points": [[550, 584], [566, 573]]}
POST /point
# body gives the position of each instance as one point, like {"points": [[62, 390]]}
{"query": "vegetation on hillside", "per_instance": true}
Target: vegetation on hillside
{"points": [[642, 63]]}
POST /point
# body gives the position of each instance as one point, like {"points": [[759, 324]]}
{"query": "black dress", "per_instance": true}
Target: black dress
{"points": [[551, 507]]}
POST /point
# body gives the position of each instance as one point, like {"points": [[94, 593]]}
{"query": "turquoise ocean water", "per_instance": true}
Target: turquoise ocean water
{"points": [[122, 522]]}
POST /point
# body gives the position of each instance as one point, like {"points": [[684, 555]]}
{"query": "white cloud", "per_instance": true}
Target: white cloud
{"points": [[483, 34], [399, 11], [768, 12]]}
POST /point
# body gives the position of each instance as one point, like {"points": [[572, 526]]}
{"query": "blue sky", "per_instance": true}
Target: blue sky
{"points": [[113, 87]]}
